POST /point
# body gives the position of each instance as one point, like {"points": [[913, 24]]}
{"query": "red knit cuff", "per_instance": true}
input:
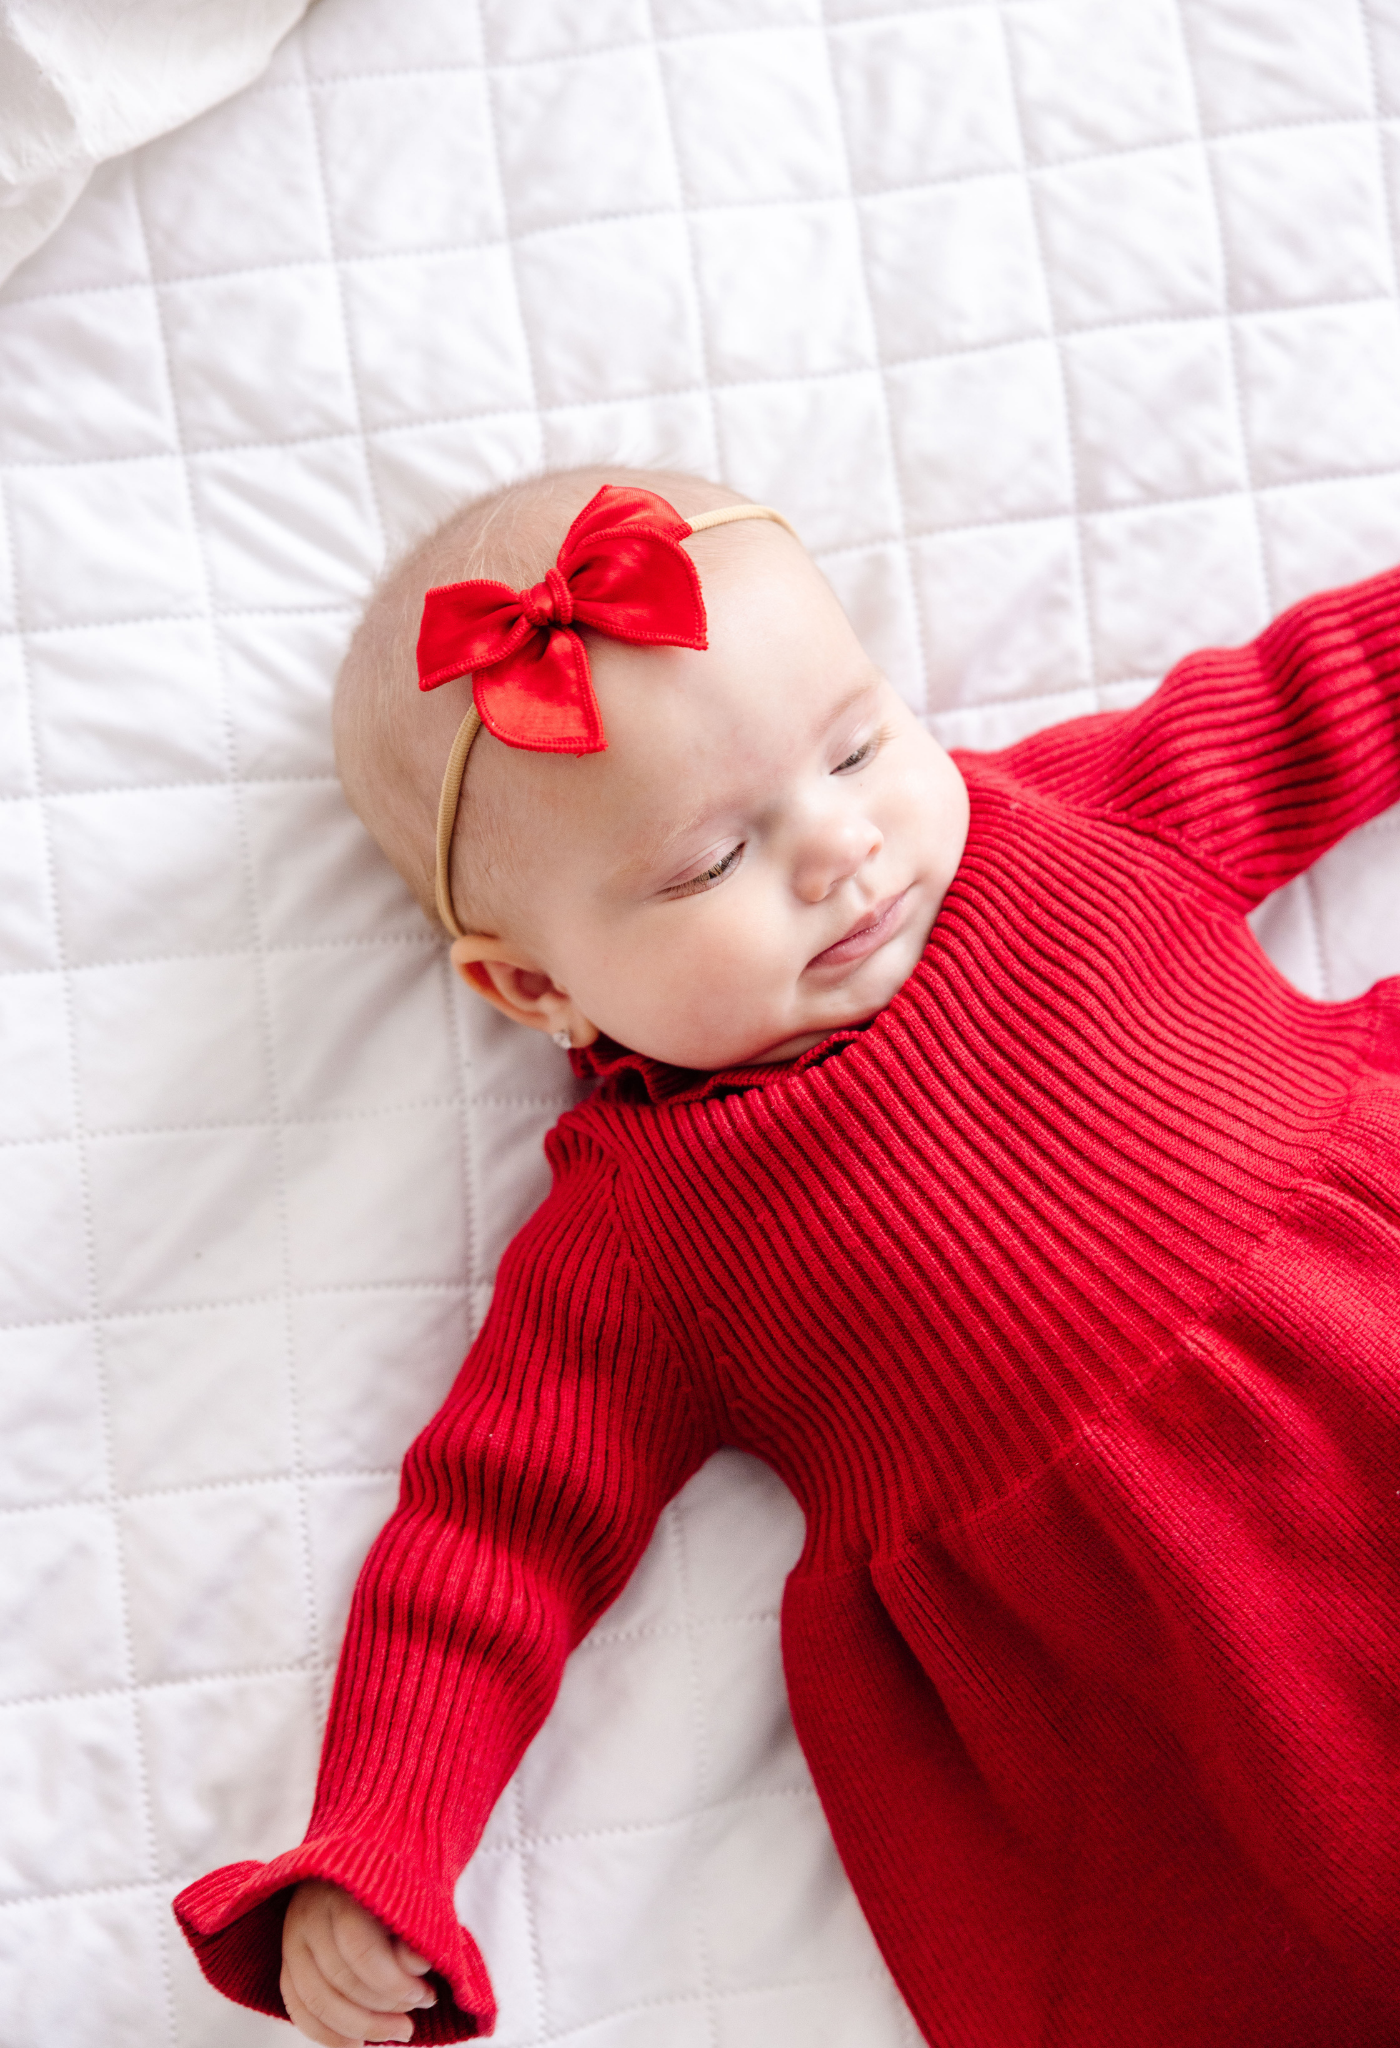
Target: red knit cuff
{"points": [[233, 1922]]}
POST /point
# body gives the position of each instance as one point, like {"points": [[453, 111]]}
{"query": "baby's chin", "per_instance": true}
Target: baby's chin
{"points": [[837, 1010], [871, 989], [849, 1019], [792, 1048], [706, 1054], [783, 1031]]}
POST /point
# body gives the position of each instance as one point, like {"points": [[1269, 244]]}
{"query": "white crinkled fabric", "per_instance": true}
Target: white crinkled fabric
{"points": [[1066, 331], [85, 80]]}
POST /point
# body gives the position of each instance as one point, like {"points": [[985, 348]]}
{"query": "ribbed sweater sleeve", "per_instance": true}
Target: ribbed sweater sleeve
{"points": [[524, 1506], [1255, 759]]}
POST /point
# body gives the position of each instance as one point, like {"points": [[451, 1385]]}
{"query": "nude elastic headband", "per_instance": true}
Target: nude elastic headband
{"points": [[621, 571]]}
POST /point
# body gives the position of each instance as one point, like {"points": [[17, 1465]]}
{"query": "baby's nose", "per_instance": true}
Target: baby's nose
{"points": [[838, 849]]}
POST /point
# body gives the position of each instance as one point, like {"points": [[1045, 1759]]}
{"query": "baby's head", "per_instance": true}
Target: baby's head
{"points": [[756, 857]]}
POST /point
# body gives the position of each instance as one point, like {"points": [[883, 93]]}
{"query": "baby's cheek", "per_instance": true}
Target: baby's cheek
{"points": [[640, 993], [700, 1001], [709, 991], [719, 1012]]}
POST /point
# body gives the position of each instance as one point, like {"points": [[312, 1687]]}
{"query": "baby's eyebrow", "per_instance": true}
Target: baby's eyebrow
{"points": [[868, 683], [653, 848]]}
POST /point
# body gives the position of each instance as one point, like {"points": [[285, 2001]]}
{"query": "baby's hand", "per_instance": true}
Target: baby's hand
{"points": [[345, 1979]]}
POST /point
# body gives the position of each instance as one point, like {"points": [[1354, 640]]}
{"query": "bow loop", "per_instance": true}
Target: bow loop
{"points": [[621, 571]]}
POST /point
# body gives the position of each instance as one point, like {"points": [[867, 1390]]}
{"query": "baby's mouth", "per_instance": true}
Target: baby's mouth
{"points": [[867, 936]]}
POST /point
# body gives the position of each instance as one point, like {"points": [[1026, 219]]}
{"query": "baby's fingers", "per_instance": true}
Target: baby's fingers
{"points": [[342, 1981], [369, 1964], [334, 2022]]}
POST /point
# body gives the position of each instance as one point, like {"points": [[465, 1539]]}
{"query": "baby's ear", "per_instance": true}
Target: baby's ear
{"points": [[519, 990]]}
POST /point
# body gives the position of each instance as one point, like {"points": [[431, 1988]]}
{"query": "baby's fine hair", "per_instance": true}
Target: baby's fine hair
{"points": [[391, 778]]}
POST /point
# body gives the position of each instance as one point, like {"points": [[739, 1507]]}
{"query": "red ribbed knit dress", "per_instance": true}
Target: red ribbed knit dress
{"points": [[1065, 1296]]}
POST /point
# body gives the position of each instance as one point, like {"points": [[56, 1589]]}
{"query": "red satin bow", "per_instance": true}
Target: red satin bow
{"points": [[621, 570]]}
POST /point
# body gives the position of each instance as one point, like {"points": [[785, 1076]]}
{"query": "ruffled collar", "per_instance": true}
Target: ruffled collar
{"points": [[625, 1076]]}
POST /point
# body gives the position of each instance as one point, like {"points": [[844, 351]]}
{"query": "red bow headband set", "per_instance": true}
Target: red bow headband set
{"points": [[622, 571]]}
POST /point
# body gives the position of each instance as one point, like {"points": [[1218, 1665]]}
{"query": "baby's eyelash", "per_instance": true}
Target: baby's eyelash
{"points": [[862, 754], [710, 877]]}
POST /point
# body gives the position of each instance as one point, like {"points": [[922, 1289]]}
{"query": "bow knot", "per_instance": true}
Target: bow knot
{"points": [[621, 571], [549, 603]]}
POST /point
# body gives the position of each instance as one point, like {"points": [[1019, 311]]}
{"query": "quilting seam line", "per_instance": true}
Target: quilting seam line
{"points": [[1053, 335], [1068, 419]]}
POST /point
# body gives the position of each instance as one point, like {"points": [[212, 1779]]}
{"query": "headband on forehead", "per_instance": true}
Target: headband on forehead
{"points": [[623, 571]]}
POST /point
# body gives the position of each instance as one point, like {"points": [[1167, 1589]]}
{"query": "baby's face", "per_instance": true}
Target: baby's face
{"points": [[759, 855]]}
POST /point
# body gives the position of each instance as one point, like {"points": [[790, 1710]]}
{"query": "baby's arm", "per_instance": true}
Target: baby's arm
{"points": [[345, 1979], [1255, 759], [525, 1504]]}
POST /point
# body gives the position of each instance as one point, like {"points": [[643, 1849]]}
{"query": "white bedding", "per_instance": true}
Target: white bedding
{"points": [[82, 81], [1065, 330]]}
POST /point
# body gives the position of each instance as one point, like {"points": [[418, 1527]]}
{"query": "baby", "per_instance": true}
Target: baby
{"points": [[956, 1150]]}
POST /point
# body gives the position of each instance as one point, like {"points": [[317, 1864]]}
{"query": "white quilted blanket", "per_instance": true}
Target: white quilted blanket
{"points": [[1066, 330]]}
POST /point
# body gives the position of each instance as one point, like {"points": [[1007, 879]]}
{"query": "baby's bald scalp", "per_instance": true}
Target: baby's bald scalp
{"points": [[392, 740]]}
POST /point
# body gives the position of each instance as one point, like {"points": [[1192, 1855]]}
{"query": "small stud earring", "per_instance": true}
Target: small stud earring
{"points": [[563, 1040]]}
